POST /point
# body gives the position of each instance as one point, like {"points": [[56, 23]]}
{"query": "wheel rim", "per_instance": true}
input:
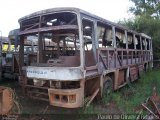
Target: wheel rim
{"points": [[107, 87]]}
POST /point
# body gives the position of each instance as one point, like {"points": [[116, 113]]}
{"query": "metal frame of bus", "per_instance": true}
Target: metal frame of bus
{"points": [[4, 41], [11, 68], [82, 83]]}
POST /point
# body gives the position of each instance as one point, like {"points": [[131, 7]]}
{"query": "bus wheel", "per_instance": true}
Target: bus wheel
{"points": [[107, 86]]}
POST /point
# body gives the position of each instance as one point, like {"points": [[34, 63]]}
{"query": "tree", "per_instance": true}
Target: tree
{"points": [[146, 20], [146, 7]]}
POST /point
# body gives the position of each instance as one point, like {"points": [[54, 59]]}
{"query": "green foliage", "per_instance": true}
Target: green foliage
{"points": [[130, 97], [146, 7]]}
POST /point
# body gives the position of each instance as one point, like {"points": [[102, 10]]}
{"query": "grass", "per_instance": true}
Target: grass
{"points": [[130, 97], [134, 94]]}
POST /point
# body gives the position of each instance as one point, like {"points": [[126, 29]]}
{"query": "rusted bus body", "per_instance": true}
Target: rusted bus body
{"points": [[10, 63], [10, 58], [4, 42], [85, 52]]}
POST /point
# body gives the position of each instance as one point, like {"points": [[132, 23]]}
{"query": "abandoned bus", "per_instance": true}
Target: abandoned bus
{"points": [[10, 52], [9, 66], [85, 56], [4, 48]]}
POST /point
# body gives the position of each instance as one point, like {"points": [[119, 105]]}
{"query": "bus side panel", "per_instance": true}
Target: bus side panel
{"points": [[133, 73]]}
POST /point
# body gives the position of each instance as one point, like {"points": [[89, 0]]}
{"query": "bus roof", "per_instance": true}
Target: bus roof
{"points": [[5, 40], [49, 11], [146, 36], [77, 10]]}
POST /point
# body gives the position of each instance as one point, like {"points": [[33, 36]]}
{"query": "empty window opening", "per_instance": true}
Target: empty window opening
{"points": [[120, 39], [137, 42], [88, 37], [104, 35], [130, 41], [56, 19]]}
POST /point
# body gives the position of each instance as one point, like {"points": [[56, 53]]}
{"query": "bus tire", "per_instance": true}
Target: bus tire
{"points": [[107, 86]]}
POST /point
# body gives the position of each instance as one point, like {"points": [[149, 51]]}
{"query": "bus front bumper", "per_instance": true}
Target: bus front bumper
{"points": [[68, 98]]}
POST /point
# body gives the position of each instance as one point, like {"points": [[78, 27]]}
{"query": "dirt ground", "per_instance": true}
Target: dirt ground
{"points": [[32, 109]]}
